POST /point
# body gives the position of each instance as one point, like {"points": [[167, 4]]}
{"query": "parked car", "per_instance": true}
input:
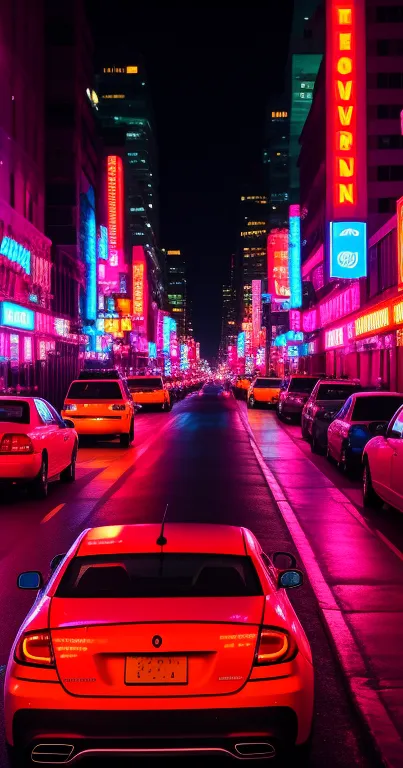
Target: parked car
{"points": [[101, 407], [264, 391], [36, 444], [355, 424], [294, 395], [149, 391], [327, 395], [383, 465], [241, 387]]}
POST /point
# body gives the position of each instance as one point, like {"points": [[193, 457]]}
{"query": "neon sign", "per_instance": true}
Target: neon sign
{"points": [[294, 256], [398, 313], [348, 249], [277, 264], [152, 350], [256, 311], [241, 345], [166, 334], [373, 321], [184, 357], [115, 208], [138, 289], [334, 338], [16, 253], [15, 316], [103, 243], [399, 212]]}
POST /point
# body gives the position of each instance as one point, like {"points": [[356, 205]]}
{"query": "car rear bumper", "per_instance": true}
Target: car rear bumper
{"points": [[99, 425], [157, 398], [291, 409], [20, 467], [279, 709], [265, 400]]}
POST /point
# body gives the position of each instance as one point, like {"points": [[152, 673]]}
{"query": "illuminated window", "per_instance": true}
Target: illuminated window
{"points": [[113, 96], [132, 70]]}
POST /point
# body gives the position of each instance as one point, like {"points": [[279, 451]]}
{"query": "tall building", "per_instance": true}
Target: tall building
{"points": [[229, 312], [177, 290], [27, 329], [126, 117], [252, 245], [276, 162]]}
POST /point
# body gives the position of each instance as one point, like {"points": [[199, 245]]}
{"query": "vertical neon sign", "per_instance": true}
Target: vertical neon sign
{"points": [[241, 345], [346, 113], [399, 212], [115, 208], [256, 311], [294, 256], [277, 264], [139, 287]]}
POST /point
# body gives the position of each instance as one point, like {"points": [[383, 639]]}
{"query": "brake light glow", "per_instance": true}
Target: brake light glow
{"points": [[275, 646], [16, 444], [35, 649]]}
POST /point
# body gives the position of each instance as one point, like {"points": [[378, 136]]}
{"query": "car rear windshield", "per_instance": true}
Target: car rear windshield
{"points": [[94, 390], [14, 411], [99, 374], [141, 384], [336, 391], [267, 383], [376, 408], [302, 385], [160, 575]]}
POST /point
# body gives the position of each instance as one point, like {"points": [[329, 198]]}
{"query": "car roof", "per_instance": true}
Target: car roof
{"points": [[99, 374], [377, 394], [181, 537], [340, 381], [20, 399], [150, 376]]}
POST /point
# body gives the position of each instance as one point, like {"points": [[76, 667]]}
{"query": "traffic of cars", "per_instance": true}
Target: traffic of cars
{"points": [[186, 625]]}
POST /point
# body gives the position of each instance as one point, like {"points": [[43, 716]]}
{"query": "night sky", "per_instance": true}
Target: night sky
{"points": [[211, 70]]}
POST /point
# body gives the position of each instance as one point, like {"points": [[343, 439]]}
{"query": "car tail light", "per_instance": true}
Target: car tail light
{"points": [[69, 407], [115, 407], [16, 444], [275, 646], [35, 649]]}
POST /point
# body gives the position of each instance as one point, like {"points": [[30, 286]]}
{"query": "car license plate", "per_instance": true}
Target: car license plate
{"points": [[156, 670]]}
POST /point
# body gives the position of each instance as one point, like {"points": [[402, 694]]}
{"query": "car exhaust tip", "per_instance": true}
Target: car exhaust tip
{"points": [[52, 754], [255, 749]]}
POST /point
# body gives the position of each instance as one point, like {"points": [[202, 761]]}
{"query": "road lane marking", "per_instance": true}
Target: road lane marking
{"points": [[52, 513]]}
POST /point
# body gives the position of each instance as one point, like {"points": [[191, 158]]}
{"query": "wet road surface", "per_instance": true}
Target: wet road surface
{"points": [[199, 460]]}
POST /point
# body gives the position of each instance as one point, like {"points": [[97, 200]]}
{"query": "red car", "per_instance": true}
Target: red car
{"points": [[160, 643]]}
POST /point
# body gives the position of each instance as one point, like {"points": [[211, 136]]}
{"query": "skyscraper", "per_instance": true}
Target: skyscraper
{"points": [[177, 290], [127, 121], [276, 162], [229, 312], [252, 245]]}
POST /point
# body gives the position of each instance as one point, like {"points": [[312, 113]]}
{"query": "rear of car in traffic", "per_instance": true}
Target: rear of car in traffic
{"points": [[149, 391], [356, 423], [294, 395], [100, 408], [165, 643], [264, 391], [36, 445], [326, 399], [383, 465], [241, 387], [212, 391]]}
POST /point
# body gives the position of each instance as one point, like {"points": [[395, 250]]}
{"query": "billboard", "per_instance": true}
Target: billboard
{"points": [[139, 287], [256, 311], [348, 249], [277, 264], [294, 256], [115, 205]]}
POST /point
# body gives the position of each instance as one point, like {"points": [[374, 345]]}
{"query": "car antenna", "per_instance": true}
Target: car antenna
{"points": [[161, 538]]}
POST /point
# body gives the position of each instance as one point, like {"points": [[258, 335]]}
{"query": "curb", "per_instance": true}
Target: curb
{"points": [[367, 701]]}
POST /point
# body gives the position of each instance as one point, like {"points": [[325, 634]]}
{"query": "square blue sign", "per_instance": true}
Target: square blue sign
{"points": [[348, 249]]}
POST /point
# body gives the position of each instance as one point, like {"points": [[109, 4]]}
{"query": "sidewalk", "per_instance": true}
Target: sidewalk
{"points": [[357, 579]]}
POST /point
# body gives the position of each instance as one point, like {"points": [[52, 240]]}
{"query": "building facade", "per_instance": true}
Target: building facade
{"points": [[177, 290], [252, 246], [276, 163], [28, 332]]}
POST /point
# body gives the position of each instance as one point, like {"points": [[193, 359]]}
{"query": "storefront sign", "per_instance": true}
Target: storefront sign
{"points": [[16, 316], [339, 306], [115, 208], [399, 216], [398, 313], [241, 345], [334, 338], [277, 264], [373, 321], [16, 253], [295, 320], [152, 350], [138, 288], [294, 256], [256, 311], [310, 321], [348, 249]]}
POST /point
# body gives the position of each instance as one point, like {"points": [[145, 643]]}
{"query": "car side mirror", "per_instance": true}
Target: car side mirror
{"points": [[30, 580], [56, 562], [328, 415], [283, 560], [69, 423], [290, 579], [382, 430]]}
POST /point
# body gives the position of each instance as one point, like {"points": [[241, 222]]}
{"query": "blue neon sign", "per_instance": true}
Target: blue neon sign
{"points": [[89, 236], [166, 334], [16, 316], [348, 249], [184, 357], [152, 350], [103, 243], [17, 253], [294, 257], [241, 344]]}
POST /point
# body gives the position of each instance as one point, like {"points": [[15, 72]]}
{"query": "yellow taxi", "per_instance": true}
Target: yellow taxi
{"points": [[100, 405], [242, 385], [149, 391], [264, 391]]}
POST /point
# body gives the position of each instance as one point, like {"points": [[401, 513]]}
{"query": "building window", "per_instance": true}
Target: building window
{"points": [[12, 190], [388, 13], [389, 111], [393, 141], [390, 172], [382, 47], [387, 205], [382, 265], [389, 80]]}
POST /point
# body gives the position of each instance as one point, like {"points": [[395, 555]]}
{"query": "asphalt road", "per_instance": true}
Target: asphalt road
{"points": [[199, 460]]}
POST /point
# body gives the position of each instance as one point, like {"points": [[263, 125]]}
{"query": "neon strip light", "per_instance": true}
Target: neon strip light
{"points": [[115, 208], [334, 338], [373, 321], [103, 243], [241, 345], [399, 212], [138, 290], [294, 256], [16, 253]]}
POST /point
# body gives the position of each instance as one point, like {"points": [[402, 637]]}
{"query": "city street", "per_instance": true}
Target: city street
{"points": [[199, 460]]}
